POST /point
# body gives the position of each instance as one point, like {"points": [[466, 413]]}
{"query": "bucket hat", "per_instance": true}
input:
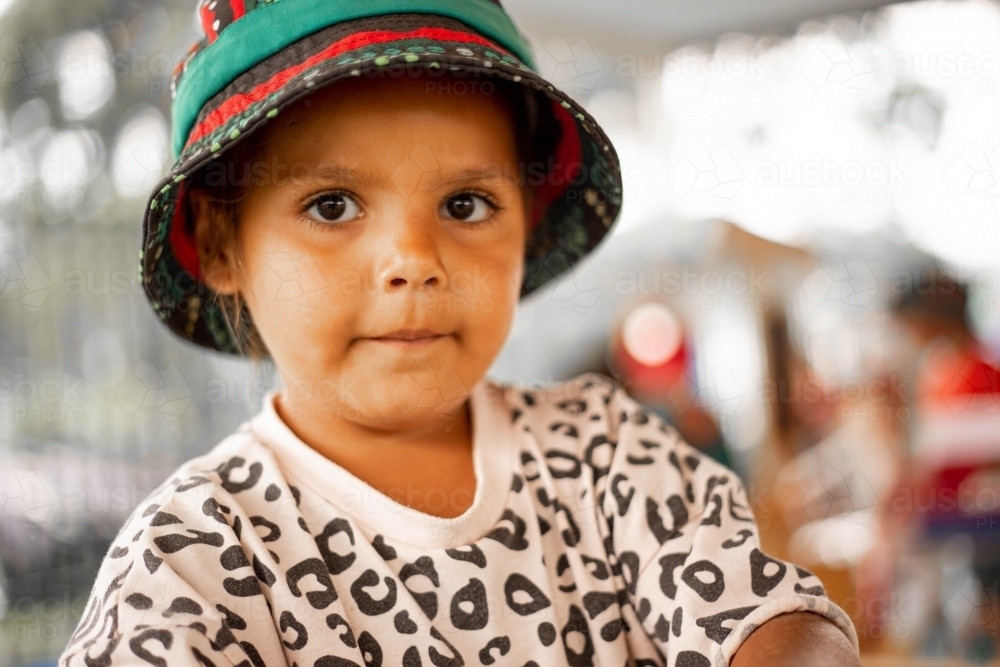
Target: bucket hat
{"points": [[258, 56]]}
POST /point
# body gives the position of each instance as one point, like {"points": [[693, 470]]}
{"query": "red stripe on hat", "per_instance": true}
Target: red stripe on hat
{"points": [[241, 101], [566, 164], [181, 241], [238, 9], [207, 17]]}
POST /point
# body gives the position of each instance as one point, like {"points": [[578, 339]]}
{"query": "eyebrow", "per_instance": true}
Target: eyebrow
{"points": [[491, 173], [326, 173]]}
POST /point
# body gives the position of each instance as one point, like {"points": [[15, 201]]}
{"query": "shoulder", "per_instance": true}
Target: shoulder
{"points": [[594, 415], [175, 549], [591, 402], [191, 494], [613, 432]]}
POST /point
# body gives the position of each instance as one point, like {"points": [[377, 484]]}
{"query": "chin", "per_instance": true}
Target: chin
{"points": [[394, 417], [406, 399]]}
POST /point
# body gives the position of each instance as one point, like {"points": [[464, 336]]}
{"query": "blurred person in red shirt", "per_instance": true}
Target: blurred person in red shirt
{"points": [[955, 438], [948, 493]]}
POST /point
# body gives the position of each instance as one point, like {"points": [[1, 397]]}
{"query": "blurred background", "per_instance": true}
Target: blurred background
{"points": [[805, 280]]}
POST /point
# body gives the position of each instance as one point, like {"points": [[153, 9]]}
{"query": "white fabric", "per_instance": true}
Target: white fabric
{"points": [[596, 537]]}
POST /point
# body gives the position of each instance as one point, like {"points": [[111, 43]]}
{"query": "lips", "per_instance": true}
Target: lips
{"points": [[410, 336]]}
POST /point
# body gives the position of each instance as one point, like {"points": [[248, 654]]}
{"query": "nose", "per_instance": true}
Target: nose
{"points": [[412, 258]]}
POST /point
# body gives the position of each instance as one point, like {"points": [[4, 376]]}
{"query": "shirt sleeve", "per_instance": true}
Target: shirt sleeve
{"points": [[684, 536], [153, 602]]}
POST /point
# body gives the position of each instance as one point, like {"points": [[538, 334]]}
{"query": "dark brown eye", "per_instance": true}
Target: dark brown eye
{"points": [[466, 207], [334, 207]]}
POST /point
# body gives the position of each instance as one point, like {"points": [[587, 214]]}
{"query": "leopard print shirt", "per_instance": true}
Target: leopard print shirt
{"points": [[596, 536]]}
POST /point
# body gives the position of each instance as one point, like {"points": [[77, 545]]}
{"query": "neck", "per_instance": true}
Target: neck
{"points": [[418, 454]]}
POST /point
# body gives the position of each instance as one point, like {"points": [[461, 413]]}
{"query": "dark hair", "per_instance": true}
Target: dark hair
{"points": [[226, 182]]}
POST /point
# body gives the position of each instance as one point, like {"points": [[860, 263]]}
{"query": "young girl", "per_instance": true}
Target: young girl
{"points": [[363, 192]]}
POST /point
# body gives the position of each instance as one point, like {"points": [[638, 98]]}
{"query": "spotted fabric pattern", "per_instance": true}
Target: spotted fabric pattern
{"points": [[611, 542]]}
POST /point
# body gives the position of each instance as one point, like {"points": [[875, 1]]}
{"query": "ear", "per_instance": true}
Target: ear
{"points": [[215, 254]]}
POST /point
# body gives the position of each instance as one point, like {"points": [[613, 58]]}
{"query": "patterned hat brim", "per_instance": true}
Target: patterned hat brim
{"points": [[576, 206]]}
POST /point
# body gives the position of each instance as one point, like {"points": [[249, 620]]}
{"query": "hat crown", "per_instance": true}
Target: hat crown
{"points": [[216, 15], [240, 34]]}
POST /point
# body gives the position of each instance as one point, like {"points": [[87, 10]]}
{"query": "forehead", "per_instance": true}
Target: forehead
{"points": [[472, 114]]}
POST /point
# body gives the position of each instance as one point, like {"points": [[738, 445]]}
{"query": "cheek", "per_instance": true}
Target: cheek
{"points": [[295, 293], [489, 287]]}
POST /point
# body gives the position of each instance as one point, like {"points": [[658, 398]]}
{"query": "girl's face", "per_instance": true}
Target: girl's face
{"points": [[381, 247]]}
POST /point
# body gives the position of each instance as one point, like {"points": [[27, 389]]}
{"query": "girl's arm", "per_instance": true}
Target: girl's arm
{"points": [[799, 639]]}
